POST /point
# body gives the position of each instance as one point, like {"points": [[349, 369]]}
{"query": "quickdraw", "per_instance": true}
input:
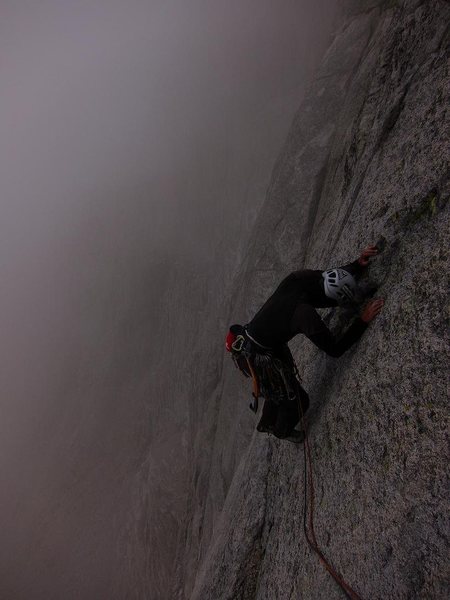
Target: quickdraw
{"points": [[255, 384]]}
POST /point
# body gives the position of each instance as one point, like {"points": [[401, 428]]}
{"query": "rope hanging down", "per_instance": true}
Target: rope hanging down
{"points": [[311, 535]]}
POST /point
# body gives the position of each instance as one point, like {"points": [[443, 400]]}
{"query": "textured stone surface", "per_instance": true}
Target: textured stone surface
{"points": [[366, 160], [184, 473]]}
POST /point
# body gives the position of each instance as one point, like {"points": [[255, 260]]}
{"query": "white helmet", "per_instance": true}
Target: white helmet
{"points": [[339, 285]]}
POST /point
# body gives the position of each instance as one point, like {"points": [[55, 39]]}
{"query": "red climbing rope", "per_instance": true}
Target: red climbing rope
{"points": [[311, 535]]}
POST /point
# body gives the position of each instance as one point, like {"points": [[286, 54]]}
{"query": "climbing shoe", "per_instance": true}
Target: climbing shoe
{"points": [[264, 428], [297, 437]]}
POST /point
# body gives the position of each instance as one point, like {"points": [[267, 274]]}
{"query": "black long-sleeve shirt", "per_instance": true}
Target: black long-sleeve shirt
{"points": [[291, 311]]}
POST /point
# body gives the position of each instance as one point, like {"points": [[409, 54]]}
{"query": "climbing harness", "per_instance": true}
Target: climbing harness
{"points": [[254, 341], [272, 373], [311, 535], [238, 343]]}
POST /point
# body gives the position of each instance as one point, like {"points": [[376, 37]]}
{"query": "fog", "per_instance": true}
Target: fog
{"points": [[118, 125]]}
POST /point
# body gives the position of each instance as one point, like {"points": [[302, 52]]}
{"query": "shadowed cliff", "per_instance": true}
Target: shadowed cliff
{"points": [[365, 162]]}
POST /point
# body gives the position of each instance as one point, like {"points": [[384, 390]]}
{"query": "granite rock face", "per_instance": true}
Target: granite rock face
{"points": [[366, 161]]}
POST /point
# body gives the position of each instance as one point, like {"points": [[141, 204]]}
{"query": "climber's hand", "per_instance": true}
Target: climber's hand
{"points": [[366, 254], [371, 310]]}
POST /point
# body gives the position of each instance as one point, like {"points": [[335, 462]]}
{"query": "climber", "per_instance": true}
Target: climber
{"points": [[291, 311]]}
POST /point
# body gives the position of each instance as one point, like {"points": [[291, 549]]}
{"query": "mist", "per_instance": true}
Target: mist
{"points": [[124, 126]]}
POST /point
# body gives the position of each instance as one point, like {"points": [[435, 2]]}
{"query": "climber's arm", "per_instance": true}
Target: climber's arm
{"points": [[357, 267], [336, 347], [366, 255], [320, 335]]}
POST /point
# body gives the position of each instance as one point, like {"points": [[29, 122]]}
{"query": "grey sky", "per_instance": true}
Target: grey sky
{"points": [[117, 119]]}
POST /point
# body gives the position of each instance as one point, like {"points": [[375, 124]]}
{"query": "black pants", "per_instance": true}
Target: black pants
{"points": [[281, 419]]}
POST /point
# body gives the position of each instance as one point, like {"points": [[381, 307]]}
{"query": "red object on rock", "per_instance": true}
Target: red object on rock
{"points": [[229, 340]]}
